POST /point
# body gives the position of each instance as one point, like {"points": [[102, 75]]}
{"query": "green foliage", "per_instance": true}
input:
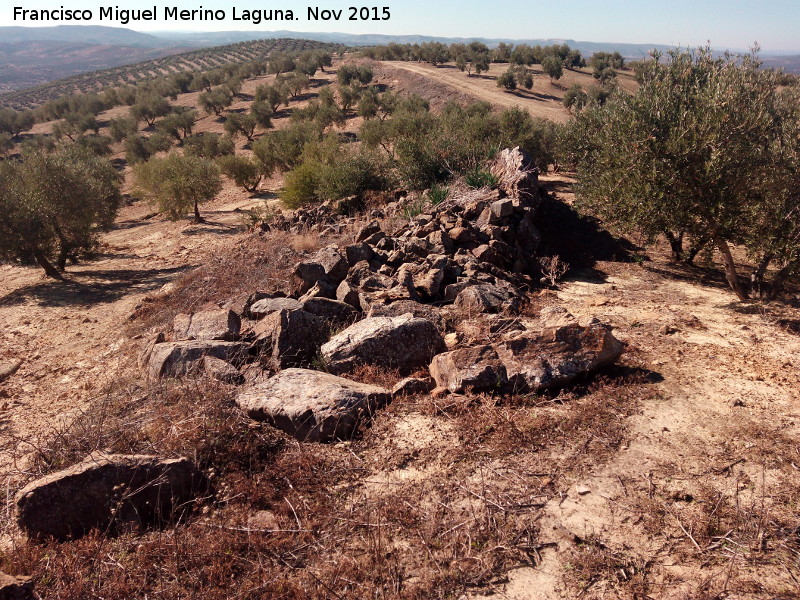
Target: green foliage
{"points": [[478, 178], [296, 82], [14, 122], [575, 98], [149, 107], [281, 150], [215, 101], [240, 123], [136, 149], [553, 67], [329, 171], [262, 113], [349, 74], [176, 183], [122, 127], [438, 194], [242, 170], [6, 143], [273, 95], [507, 80], [53, 205], [699, 149], [178, 124], [208, 145]]}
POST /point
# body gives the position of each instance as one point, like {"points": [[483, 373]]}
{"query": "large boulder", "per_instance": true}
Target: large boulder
{"points": [[557, 356], [108, 491], [291, 338], [404, 343], [482, 298], [334, 312], [529, 362], [478, 368], [311, 405], [175, 359], [328, 265], [219, 324]]}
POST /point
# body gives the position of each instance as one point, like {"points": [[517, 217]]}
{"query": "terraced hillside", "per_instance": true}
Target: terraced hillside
{"points": [[202, 59]]}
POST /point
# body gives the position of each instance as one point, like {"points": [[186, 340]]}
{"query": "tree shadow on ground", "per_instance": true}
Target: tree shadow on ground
{"points": [[90, 287], [578, 240]]}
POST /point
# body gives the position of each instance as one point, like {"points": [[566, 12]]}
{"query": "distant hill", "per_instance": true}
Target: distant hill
{"points": [[83, 34], [204, 38], [26, 64]]}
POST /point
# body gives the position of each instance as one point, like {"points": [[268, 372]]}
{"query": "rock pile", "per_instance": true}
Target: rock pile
{"points": [[390, 296]]}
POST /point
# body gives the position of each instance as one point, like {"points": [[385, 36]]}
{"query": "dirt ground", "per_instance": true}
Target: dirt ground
{"points": [[696, 497]]}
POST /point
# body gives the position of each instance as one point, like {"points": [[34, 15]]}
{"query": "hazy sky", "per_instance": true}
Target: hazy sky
{"points": [[734, 24]]}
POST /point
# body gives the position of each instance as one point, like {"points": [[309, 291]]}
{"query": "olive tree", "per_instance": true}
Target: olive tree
{"points": [[178, 183], [54, 205], [692, 152]]}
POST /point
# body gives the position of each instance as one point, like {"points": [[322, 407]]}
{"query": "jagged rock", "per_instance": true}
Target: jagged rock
{"points": [[404, 343], [477, 368], [402, 307], [349, 295], [528, 362], [327, 265], [558, 356], [461, 235], [147, 350], [242, 303], [220, 324], [266, 306], [290, 338], [15, 587], [412, 385], [555, 316], [222, 370], [320, 289], [368, 230], [311, 405], [487, 253], [108, 491], [355, 253], [430, 282], [502, 208], [174, 359], [9, 367], [334, 312], [483, 298]]}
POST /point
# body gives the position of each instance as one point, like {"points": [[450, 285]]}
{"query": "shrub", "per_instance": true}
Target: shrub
{"points": [[55, 204], [176, 183], [208, 145], [479, 178], [244, 171]]}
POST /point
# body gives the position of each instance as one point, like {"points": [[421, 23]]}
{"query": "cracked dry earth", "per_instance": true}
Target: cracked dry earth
{"points": [[695, 495]]}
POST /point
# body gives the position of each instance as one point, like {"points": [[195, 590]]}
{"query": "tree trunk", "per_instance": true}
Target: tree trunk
{"points": [[197, 217], [780, 279], [49, 269], [757, 277], [695, 249], [675, 244], [730, 268]]}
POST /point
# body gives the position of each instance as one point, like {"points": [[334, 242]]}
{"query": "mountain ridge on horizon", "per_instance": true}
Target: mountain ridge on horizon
{"points": [[35, 55]]}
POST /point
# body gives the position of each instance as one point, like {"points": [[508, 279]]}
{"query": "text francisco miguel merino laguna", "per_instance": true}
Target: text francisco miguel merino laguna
{"points": [[174, 13]]}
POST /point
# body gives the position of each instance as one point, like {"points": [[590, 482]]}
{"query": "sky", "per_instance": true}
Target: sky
{"points": [[732, 24]]}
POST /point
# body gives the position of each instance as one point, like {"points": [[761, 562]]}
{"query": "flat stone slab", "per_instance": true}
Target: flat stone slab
{"points": [[105, 491], [311, 405]]}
